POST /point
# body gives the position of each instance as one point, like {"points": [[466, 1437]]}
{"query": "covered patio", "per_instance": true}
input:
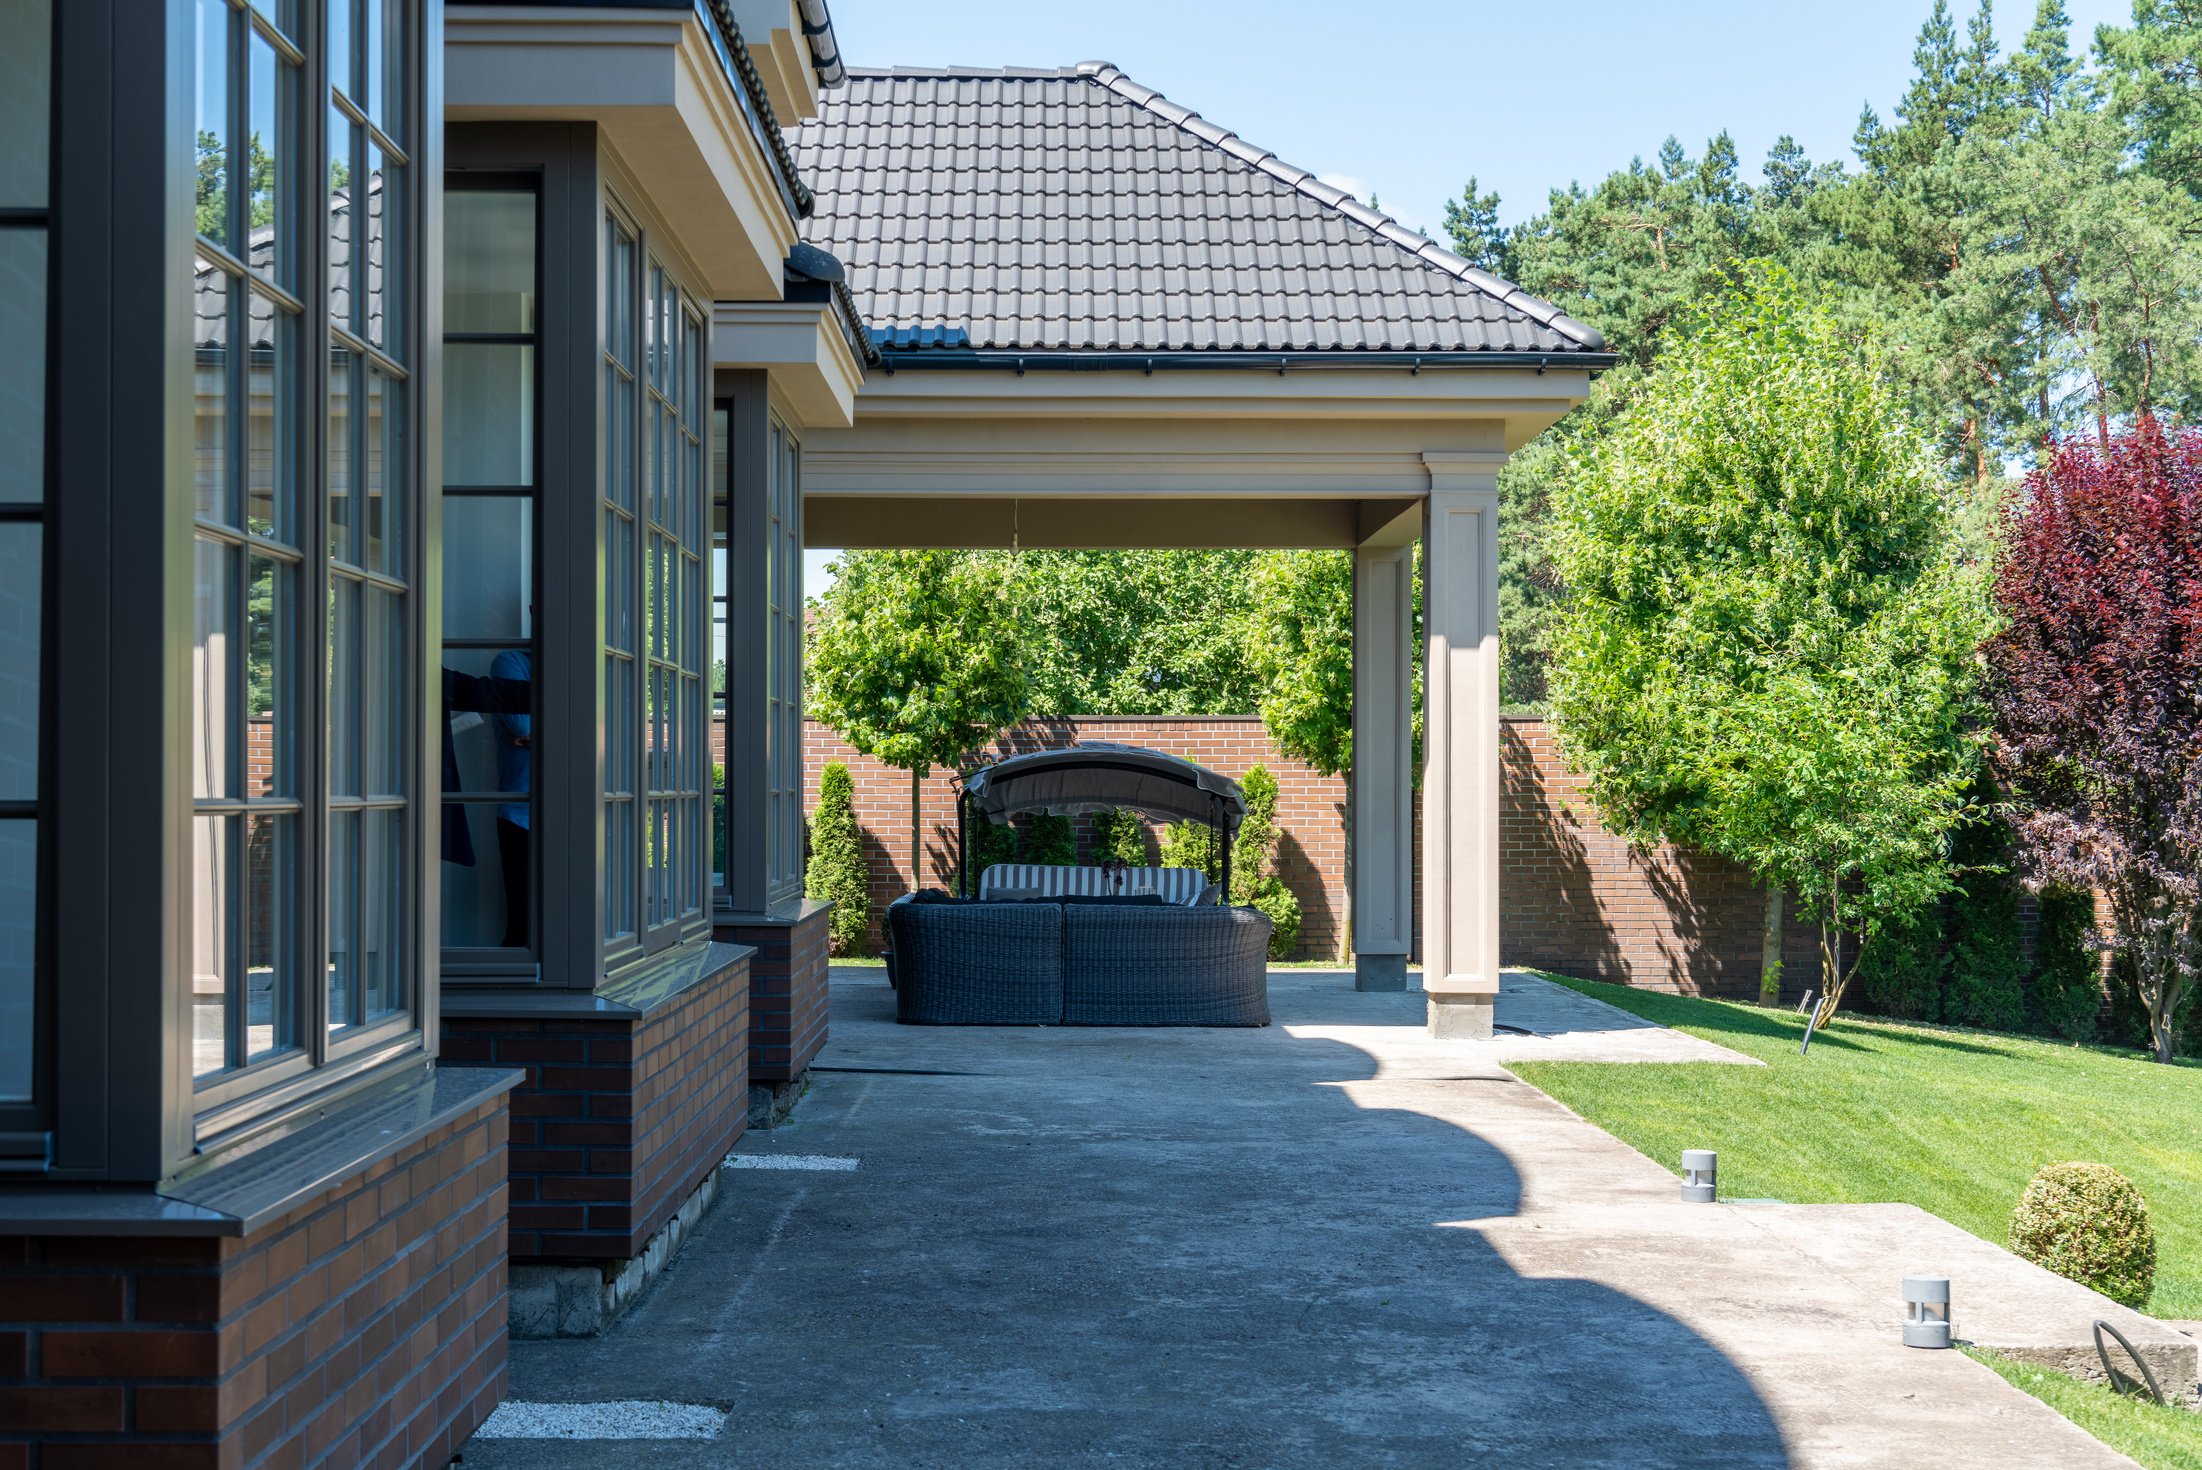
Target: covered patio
{"points": [[1331, 1241], [1105, 322]]}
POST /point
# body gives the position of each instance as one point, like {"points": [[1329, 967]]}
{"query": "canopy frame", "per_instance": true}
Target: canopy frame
{"points": [[1120, 777]]}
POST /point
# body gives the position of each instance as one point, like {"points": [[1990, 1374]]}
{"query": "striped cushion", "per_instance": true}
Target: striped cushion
{"points": [[1176, 885]]}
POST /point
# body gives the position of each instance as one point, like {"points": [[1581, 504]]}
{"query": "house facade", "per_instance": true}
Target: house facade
{"points": [[411, 418]]}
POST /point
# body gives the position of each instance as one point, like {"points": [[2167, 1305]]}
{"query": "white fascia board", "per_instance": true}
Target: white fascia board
{"points": [[1528, 400], [653, 83], [773, 31], [801, 346]]}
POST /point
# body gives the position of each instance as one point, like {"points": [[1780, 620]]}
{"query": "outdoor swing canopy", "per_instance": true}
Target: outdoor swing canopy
{"points": [[1099, 775]]}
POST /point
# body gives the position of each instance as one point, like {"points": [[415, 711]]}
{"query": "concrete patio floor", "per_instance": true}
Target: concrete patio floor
{"points": [[1329, 1242]]}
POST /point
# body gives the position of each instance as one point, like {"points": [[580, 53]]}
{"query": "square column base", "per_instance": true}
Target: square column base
{"points": [[1379, 972], [1462, 1017]]}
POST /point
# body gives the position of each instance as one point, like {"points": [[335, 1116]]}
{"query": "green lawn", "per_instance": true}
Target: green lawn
{"points": [[2158, 1437], [1953, 1121]]}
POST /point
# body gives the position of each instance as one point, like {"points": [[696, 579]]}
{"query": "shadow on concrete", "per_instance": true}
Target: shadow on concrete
{"points": [[1139, 1249]]}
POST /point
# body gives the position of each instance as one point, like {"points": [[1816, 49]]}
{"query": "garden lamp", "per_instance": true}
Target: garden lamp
{"points": [[1927, 1311], [1700, 1167]]}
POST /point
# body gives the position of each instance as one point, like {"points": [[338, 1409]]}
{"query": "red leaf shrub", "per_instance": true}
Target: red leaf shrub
{"points": [[2096, 686]]}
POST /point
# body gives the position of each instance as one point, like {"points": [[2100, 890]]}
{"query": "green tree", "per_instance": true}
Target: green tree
{"points": [[837, 871], [1132, 632], [912, 663], [1299, 646], [1768, 647], [1120, 836]]}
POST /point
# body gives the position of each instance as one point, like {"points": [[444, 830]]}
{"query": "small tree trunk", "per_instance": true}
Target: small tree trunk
{"points": [[1770, 949], [917, 841]]}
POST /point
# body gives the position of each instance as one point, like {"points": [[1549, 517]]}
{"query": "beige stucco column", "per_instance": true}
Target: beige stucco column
{"points": [[1460, 778], [1383, 756]]}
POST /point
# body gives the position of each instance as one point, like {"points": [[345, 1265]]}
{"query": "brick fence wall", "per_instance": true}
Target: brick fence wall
{"points": [[1573, 897], [1311, 844]]}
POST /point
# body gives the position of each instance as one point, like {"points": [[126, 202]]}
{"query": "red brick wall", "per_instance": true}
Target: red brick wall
{"points": [[1311, 846], [364, 1328], [787, 993], [1575, 898], [620, 1118]]}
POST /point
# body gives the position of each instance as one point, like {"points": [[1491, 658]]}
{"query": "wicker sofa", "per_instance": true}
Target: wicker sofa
{"points": [[1093, 963]]}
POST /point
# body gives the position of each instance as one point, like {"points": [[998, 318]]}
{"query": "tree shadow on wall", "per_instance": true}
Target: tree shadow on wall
{"points": [[1550, 916], [1300, 874]]}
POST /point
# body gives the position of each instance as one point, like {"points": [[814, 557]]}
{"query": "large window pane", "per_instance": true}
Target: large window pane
{"points": [[213, 457], [347, 145], [22, 357], [383, 705], [385, 195], [489, 414], [344, 946], [382, 912], [384, 473], [271, 979], [344, 712], [22, 582], [489, 261], [211, 40], [215, 661], [269, 94], [489, 570], [214, 888], [268, 624], [345, 370], [18, 957], [26, 104], [271, 422]]}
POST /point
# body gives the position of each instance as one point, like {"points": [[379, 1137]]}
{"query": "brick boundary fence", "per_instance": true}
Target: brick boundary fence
{"points": [[1573, 896]]}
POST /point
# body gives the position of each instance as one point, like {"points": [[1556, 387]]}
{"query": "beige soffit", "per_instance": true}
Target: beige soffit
{"points": [[801, 345], [652, 82], [773, 31]]}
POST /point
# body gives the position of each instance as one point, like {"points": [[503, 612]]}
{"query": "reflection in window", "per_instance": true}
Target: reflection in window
{"points": [[488, 842], [283, 804]]}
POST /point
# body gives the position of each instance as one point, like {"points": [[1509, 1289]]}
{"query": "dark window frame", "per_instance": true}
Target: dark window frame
{"points": [[761, 714], [27, 1125], [242, 1101], [500, 962], [628, 947]]}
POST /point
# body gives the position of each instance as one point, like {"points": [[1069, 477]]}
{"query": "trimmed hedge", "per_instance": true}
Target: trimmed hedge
{"points": [[2088, 1223]]}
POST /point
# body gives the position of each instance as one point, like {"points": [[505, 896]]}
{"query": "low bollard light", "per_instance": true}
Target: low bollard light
{"points": [[1927, 1311], [1700, 1168]]}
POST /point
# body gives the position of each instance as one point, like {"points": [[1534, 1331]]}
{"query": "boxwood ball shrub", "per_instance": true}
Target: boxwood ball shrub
{"points": [[2089, 1223], [837, 872]]}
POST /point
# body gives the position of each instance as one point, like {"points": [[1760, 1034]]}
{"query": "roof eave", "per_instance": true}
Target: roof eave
{"points": [[895, 360]]}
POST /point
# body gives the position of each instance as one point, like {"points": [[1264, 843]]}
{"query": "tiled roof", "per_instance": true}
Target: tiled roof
{"points": [[1075, 210]]}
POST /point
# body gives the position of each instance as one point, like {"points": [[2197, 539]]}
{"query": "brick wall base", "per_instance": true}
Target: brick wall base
{"points": [[363, 1327], [787, 989], [628, 1106]]}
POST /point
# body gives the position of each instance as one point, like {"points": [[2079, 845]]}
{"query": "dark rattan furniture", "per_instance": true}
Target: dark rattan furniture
{"points": [[1079, 964]]}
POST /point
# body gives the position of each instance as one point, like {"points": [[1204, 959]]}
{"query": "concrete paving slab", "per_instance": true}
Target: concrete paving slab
{"points": [[1331, 1241]]}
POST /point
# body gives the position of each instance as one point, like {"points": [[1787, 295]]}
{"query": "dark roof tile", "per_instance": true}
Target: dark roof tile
{"points": [[1077, 210]]}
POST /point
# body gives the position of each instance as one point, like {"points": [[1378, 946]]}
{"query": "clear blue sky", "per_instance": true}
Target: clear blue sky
{"points": [[1409, 97]]}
